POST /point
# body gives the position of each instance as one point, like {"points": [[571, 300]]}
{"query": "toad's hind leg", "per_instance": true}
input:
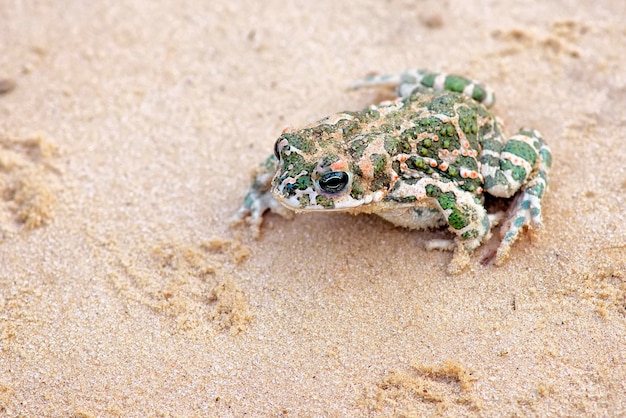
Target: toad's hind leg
{"points": [[522, 167], [407, 82]]}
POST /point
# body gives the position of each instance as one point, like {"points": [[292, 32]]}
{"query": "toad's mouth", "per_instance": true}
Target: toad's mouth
{"points": [[311, 200]]}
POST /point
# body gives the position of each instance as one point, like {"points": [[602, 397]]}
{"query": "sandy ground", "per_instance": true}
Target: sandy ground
{"points": [[125, 148]]}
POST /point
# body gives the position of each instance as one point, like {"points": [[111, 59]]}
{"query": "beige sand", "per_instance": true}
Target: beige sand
{"points": [[125, 147]]}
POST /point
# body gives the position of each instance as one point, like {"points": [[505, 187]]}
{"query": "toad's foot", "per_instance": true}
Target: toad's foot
{"points": [[254, 206], [440, 245], [259, 199], [525, 212], [461, 258]]}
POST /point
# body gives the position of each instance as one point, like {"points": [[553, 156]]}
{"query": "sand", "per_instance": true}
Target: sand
{"points": [[127, 134]]}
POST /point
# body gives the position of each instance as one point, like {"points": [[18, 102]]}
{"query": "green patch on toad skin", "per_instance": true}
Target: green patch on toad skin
{"points": [[409, 135], [470, 234], [325, 202], [305, 201], [531, 134], [469, 125], [457, 220], [451, 142], [381, 178], [444, 104], [349, 127], [321, 131], [379, 162], [470, 185], [303, 182], [546, 157], [433, 191], [301, 142], [428, 124], [456, 83], [358, 146], [446, 200], [379, 182], [370, 115], [453, 171], [295, 163], [387, 128], [522, 150], [395, 146], [416, 163], [498, 179], [395, 166], [358, 190], [356, 170], [518, 173], [468, 162], [491, 160], [404, 199], [447, 130], [429, 79], [328, 159]]}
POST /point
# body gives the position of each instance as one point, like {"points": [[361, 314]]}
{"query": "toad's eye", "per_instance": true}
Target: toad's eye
{"points": [[276, 149], [334, 182]]}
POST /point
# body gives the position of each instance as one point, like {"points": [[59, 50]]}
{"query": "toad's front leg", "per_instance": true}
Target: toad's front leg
{"points": [[465, 216], [259, 198]]}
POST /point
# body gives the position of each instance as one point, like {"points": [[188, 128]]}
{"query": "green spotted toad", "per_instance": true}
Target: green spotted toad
{"points": [[423, 160]]}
